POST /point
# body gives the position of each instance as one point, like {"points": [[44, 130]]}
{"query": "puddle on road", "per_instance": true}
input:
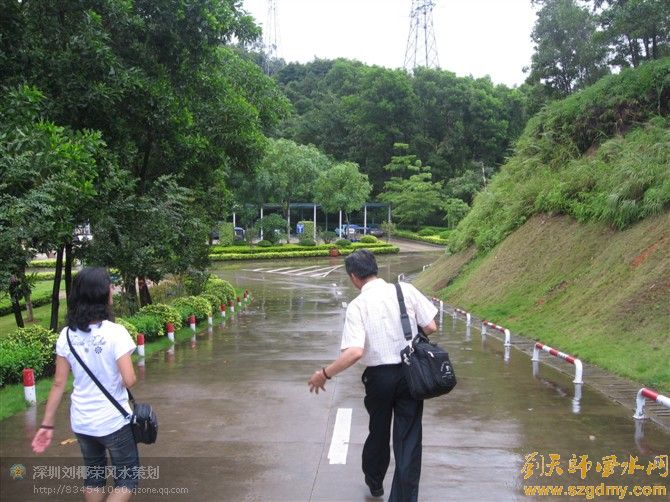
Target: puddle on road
{"points": [[477, 439]]}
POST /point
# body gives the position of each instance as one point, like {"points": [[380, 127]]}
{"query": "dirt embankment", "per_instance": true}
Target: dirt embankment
{"points": [[587, 289]]}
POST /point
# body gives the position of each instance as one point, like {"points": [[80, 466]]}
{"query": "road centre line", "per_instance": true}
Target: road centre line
{"points": [[339, 444]]}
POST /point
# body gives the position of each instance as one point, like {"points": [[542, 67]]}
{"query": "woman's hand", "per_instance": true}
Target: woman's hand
{"points": [[42, 439]]}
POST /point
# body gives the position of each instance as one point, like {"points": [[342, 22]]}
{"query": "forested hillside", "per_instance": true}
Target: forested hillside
{"points": [[570, 242]]}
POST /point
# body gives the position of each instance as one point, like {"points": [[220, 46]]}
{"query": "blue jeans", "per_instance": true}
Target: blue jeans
{"points": [[123, 452]]}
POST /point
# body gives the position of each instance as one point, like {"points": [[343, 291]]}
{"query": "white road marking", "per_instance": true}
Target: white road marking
{"points": [[339, 444], [311, 271]]}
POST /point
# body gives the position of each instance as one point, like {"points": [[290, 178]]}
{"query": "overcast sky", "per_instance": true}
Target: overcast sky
{"points": [[474, 37]]}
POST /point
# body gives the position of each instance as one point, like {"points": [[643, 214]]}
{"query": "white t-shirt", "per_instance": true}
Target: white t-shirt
{"points": [[91, 412], [373, 321]]}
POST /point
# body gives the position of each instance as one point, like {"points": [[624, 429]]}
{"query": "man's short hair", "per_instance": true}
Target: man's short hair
{"points": [[361, 263]]}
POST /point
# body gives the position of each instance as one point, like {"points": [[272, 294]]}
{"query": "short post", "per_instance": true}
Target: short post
{"points": [[231, 306], [140, 344], [29, 386], [642, 395], [508, 334], [223, 310], [191, 321], [566, 357], [239, 302], [169, 327], [210, 321]]}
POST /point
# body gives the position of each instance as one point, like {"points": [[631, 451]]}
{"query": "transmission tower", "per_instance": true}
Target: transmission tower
{"points": [[271, 35], [421, 46]]}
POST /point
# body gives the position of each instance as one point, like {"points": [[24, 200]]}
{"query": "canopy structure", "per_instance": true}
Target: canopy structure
{"points": [[313, 206]]}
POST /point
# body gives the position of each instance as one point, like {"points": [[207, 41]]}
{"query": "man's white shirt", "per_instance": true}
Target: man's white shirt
{"points": [[373, 321]]}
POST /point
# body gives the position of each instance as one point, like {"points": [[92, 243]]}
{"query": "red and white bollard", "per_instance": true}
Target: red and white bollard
{"points": [[468, 318], [566, 357], [169, 327], [223, 310], [239, 302], [231, 306], [210, 321], [29, 386], [508, 334], [140, 344], [191, 321], [642, 395], [246, 295]]}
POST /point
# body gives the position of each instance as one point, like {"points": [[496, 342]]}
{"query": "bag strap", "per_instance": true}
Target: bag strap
{"points": [[121, 409], [404, 318]]}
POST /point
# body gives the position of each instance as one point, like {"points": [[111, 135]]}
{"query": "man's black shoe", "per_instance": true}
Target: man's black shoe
{"points": [[375, 490]]}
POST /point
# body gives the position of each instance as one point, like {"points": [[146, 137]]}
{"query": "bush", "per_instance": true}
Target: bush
{"points": [[307, 241], [272, 227], [425, 232], [223, 290], [369, 239], [308, 229], [165, 313], [213, 301], [129, 326], [124, 305], [150, 324], [328, 236], [197, 305], [342, 243], [167, 290], [226, 234], [31, 347], [264, 244]]}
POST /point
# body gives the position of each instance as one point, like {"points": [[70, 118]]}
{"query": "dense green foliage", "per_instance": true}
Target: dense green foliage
{"points": [[565, 163], [222, 289], [31, 347]]}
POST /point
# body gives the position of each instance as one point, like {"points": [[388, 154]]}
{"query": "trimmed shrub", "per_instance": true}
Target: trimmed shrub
{"points": [[307, 241], [150, 324], [328, 236], [226, 234], [165, 313], [213, 301], [309, 229], [369, 239], [129, 326], [197, 305], [220, 288], [31, 347], [425, 232], [342, 243], [264, 244]]}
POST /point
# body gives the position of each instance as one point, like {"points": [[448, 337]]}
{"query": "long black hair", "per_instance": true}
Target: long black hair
{"points": [[89, 298]]}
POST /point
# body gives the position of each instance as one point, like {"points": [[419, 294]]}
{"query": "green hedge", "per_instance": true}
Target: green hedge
{"points": [[165, 313], [309, 229], [197, 305], [221, 289], [284, 248], [304, 253], [31, 347], [432, 239]]}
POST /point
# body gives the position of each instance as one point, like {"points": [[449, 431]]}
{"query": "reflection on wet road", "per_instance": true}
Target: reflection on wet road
{"points": [[237, 421]]}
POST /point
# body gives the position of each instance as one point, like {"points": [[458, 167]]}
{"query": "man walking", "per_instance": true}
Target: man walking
{"points": [[373, 334]]}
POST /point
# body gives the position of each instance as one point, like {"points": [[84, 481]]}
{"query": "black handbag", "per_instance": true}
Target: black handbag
{"points": [[427, 368], [143, 421]]}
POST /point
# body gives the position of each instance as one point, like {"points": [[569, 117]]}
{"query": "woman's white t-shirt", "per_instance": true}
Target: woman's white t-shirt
{"points": [[91, 412]]}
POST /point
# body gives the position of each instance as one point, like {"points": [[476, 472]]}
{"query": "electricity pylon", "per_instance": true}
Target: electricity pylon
{"points": [[421, 45]]}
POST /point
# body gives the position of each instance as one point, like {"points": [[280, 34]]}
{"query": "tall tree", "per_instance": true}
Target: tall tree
{"points": [[287, 173], [636, 30], [413, 195], [568, 53], [342, 188]]}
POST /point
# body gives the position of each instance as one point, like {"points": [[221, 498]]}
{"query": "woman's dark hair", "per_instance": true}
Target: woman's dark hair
{"points": [[88, 301], [361, 263]]}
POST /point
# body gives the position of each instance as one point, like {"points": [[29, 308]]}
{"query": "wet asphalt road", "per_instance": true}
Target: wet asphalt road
{"points": [[237, 422]]}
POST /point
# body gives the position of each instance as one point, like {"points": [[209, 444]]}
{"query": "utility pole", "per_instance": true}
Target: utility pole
{"points": [[421, 45]]}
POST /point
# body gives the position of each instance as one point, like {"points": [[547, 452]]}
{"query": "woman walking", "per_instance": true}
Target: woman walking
{"points": [[105, 347]]}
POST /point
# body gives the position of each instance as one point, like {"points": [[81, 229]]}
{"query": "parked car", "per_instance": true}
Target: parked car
{"points": [[376, 230], [351, 231]]}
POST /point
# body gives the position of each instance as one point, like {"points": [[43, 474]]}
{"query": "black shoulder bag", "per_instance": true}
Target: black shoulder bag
{"points": [[428, 370], [143, 420]]}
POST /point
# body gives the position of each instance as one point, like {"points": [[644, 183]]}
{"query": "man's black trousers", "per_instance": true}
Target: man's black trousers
{"points": [[387, 400]]}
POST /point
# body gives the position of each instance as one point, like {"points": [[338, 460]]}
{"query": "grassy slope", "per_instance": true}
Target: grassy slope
{"points": [[586, 289]]}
